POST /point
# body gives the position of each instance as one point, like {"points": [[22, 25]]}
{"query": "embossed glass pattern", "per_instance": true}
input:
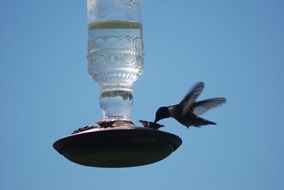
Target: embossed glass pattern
{"points": [[115, 53]]}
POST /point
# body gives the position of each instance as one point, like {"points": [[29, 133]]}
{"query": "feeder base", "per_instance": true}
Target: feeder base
{"points": [[118, 147]]}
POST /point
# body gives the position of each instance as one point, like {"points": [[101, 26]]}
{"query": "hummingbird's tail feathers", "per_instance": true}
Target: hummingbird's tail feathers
{"points": [[204, 105], [201, 121]]}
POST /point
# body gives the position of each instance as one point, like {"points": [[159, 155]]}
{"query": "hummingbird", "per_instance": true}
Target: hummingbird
{"points": [[187, 111]]}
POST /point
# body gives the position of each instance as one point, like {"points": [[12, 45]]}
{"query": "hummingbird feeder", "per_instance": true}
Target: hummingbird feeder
{"points": [[115, 61]]}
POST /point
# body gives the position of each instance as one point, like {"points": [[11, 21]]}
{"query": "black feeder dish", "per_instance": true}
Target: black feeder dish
{"points": [[115, 148]]}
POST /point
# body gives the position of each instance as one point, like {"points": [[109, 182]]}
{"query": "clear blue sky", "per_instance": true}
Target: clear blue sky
{"points": [[235, 47]]}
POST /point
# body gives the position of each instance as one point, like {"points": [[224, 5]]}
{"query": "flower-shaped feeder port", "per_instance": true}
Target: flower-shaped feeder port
{"points": [[119, 145]]}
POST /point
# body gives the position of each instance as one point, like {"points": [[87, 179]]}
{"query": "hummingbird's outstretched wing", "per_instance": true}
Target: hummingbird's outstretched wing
{"points": [[204, 105], [190, 97]]}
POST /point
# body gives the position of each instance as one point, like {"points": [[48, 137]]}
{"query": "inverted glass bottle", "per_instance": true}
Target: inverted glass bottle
{"points": [[115, 53]]}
